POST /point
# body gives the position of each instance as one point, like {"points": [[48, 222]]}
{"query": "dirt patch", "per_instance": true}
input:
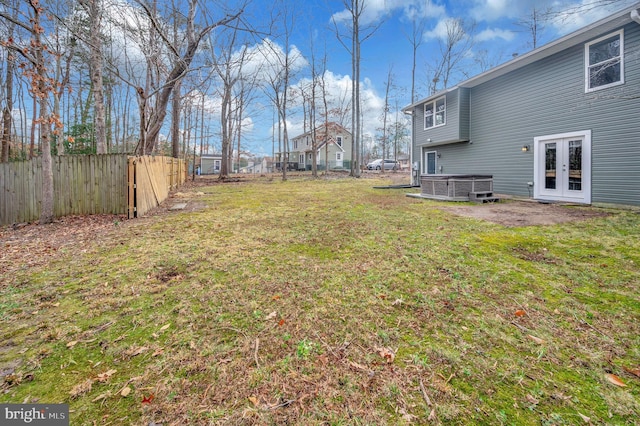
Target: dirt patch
{"points": [[29, 245], [513, 213]]}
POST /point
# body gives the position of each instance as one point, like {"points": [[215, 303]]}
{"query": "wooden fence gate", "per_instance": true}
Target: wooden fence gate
{"points": [[150, 181]]}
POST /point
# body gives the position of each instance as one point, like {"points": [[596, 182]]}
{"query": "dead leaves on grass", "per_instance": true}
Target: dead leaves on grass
{"points": [[125, 391], [536, 339], [135, 351], [104, 377], [633, 371], [389, 355], [613, 379], [81, 389]]}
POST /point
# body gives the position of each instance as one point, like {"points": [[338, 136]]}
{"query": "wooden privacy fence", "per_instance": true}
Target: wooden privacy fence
{"points": [[150, 180], [88, 184]]}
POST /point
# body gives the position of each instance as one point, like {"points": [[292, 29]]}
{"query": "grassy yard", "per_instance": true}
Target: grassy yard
{"points": [[330, 302]]}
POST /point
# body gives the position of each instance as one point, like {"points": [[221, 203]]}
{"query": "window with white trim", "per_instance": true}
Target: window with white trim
{"points": [[339, 140], [435, 113], [604, 62], [295, 144], [338, 156]]}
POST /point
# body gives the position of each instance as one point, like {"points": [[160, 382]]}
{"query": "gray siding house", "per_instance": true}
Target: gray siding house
{"points": [[560, 123]]}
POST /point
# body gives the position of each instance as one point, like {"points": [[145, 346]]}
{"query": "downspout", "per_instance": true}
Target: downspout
{"points": [[635, 16]]}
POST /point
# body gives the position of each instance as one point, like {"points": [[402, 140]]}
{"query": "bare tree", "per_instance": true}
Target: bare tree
{"points": [[325, 112], [7, 121], [235, 88], [244, 93], [183, 56], [485, 60], [94, 10], [416, 38], [454, 47], [534, 23], [42, 86], [357, 33], [316, 83], [384, 141], [280, 67]]}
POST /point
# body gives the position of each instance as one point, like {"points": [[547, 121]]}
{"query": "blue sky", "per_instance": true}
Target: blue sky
{"points": [[496, 37]]}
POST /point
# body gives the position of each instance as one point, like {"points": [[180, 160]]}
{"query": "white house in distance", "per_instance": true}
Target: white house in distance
{"points": [[333, 148]]}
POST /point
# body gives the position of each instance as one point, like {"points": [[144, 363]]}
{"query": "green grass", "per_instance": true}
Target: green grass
{"points": [[277, 302]]}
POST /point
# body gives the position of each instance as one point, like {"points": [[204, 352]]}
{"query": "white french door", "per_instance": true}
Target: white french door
{"points": [[562, 167]]}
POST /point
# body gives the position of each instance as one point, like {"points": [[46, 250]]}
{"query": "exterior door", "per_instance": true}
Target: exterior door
{"points": [[338, 159], [563, 169], [430, 159]]}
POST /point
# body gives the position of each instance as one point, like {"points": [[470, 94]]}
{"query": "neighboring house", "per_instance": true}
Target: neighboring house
{"points": [[333, 148], [265, 166], [262, 167], [210, 165], [404, 161], [560, 123], [251, 168]]}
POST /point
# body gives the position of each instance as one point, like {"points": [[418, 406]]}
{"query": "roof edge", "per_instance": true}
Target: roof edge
{"points": [[581, 35]]}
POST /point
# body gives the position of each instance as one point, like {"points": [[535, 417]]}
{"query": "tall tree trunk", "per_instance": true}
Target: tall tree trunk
{"points": [[175, 121], [56, 104], [239, 129], [7, 121], [99, 119], [225, 113], [46, 213], [32, 141], [326, 124], [384, 120], [201, 129]]}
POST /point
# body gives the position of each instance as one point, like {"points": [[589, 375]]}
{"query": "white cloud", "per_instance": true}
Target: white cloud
{"points": [[494, 33], [266, 60], [339, 98], [423, 9], [375, 10], [372, 11], [247, 125], [443, 27], [492, 10]]}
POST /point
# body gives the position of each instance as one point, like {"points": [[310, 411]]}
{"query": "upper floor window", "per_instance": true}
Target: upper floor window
{"points": [[604, 62], [295, 144], [339, 140], [435, 113]]}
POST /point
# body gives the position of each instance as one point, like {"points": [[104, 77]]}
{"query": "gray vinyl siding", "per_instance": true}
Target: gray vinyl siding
{"points": [[544, 98], [464, 112], [450, 131]]}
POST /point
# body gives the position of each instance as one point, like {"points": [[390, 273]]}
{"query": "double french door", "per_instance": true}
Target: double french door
{"points": [[562, 168]]}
